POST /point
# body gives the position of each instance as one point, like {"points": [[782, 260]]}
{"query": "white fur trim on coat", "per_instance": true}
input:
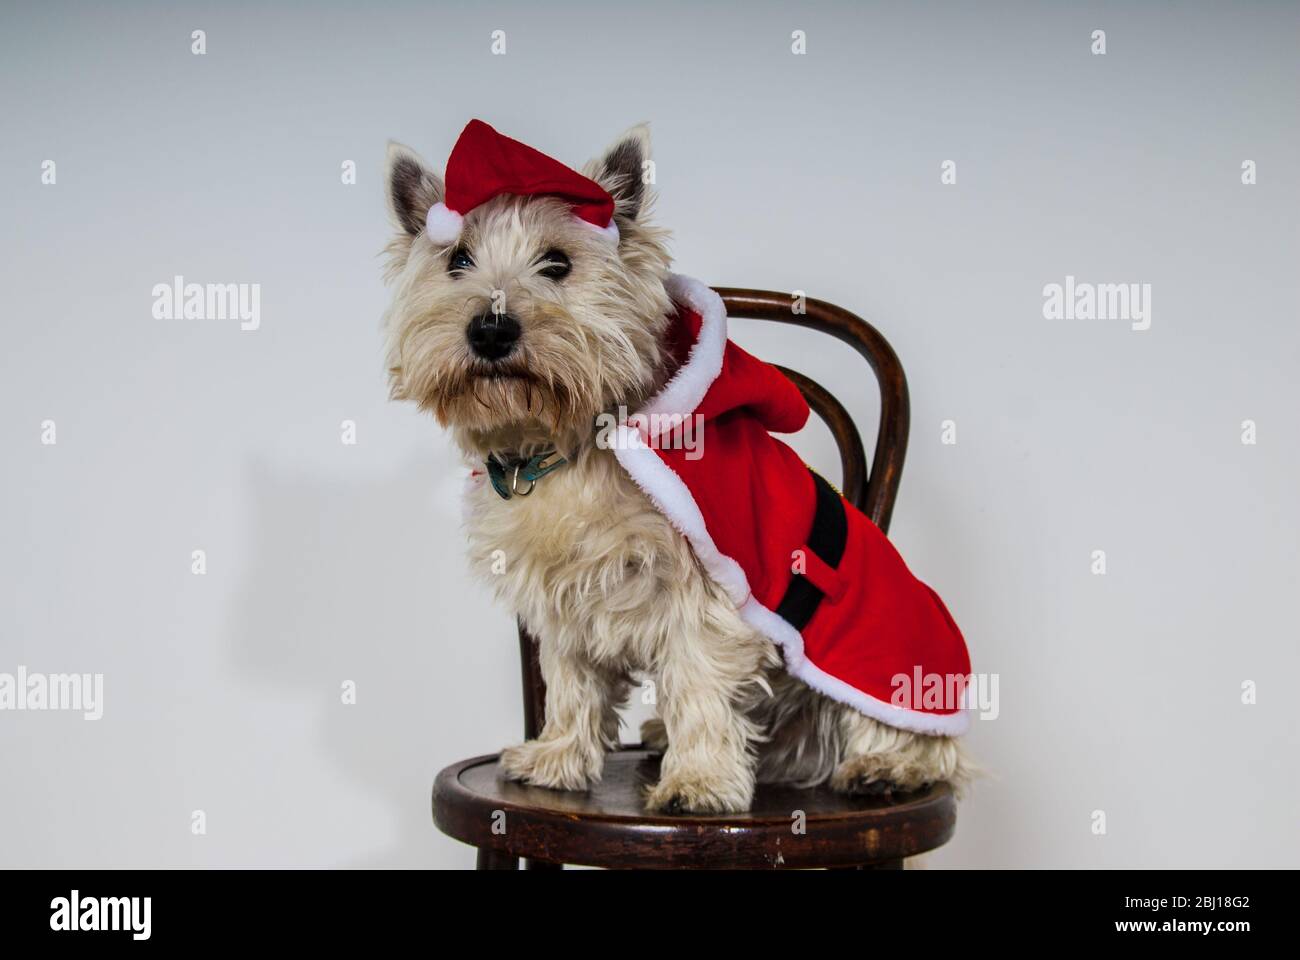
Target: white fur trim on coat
{"points": [[683, 393]]}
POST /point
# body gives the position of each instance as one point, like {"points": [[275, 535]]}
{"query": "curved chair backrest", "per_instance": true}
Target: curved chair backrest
{"points": [[873, 492]]}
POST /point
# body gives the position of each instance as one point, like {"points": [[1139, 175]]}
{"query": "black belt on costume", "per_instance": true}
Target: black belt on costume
{"points": [[830, 532]]}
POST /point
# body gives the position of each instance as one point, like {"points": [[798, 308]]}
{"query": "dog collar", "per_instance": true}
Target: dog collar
{"points": [[510, 475]]}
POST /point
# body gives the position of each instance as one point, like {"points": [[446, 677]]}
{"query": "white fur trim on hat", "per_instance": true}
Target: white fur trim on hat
{"points": [[443, 225], [610, 232]]}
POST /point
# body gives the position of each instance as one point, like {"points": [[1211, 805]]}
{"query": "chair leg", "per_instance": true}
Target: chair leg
{"points": [[496, 860]]}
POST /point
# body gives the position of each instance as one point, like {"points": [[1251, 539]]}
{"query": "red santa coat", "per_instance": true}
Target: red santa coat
{"points": [[802, 565]]}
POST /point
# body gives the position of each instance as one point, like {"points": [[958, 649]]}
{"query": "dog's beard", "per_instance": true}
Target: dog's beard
{"points": [[490, 397], [553, 386]]}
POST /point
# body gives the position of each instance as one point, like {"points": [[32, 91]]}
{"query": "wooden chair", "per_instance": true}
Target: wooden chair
{"points": [[608, 826]]}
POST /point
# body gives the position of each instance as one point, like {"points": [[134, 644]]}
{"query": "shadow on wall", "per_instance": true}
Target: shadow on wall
{"points": [[349, 582]]}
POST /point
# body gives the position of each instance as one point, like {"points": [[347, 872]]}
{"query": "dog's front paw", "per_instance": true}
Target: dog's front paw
{"points": [[685, 791], [554, 764]]}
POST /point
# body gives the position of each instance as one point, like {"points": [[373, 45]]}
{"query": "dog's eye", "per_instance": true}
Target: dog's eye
{"points": [[555, 265], [460, 261]]}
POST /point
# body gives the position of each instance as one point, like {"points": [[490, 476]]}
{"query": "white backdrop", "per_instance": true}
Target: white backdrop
{"points": [[329, 563]]}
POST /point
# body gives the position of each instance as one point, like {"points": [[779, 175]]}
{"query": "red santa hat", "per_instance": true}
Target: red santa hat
{"points": [[484, 164]]}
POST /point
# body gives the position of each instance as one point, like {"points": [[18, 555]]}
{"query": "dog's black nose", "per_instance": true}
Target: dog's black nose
{"points": [[493, 335]]}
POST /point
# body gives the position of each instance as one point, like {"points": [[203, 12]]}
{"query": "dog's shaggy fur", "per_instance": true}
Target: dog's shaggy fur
{"points": [[608, 586]]}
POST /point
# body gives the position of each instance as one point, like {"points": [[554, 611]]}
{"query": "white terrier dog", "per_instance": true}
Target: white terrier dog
{"points": [[518, 319]]}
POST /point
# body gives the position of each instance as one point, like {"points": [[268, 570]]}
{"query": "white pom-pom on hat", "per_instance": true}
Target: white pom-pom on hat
{"points": [[443, 225]]}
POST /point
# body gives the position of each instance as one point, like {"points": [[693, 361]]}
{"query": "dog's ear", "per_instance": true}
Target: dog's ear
{"points": [[623, 170], [412, 188]]}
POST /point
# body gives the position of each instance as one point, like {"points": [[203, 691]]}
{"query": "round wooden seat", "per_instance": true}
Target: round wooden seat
{"points": [[609, 826]]}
